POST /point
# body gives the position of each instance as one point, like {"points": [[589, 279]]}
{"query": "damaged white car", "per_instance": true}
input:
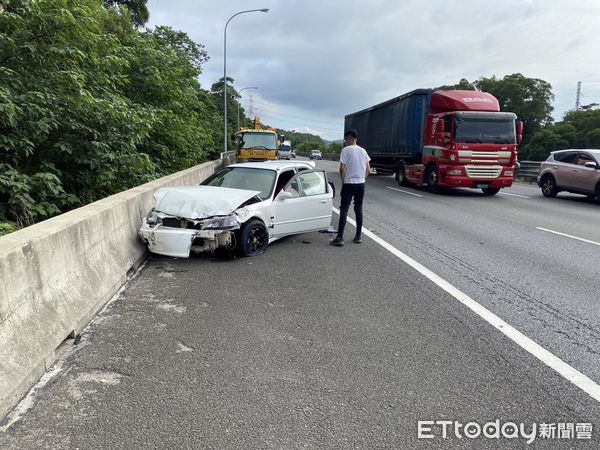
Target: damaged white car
{"points": [[243, 207]]}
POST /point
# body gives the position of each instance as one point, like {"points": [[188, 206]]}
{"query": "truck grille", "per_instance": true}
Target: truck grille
{"points": [[483, 171], [467, 156]]}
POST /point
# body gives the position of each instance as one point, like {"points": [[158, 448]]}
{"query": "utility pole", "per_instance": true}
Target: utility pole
{"points": [[578, 98]]}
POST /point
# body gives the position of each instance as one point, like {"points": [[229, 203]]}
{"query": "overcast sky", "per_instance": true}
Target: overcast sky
{"points": [[315, 61]]}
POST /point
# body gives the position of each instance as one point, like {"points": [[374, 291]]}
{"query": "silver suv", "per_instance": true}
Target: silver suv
{"points": [[573, 170]]}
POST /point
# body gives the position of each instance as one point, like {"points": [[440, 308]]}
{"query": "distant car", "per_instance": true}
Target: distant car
{"points": [[571, 170], [241, 208], [315, 154], [293, 153]]}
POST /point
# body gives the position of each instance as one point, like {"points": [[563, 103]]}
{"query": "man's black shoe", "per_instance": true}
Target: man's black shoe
{"points": [[357, 240], [337, 242]]}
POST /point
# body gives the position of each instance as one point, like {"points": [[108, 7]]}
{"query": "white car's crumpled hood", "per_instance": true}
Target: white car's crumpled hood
{"points": [[200, 202]]}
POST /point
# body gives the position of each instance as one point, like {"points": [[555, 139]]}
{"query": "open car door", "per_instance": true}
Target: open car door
{"points": [[305, 204]]}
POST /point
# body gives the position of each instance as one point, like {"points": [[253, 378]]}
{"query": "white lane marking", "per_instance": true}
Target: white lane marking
{"points": [[513, 195], [569, 373], [569, 236], [406, 192]]}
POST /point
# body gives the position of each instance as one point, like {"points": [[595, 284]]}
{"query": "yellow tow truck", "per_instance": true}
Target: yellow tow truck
{"points": [[257, 144]]}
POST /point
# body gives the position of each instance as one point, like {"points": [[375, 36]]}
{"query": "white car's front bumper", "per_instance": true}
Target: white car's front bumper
{"points": [[178, 242]]}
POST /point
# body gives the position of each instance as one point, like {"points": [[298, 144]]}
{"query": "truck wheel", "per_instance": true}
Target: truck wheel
{"points": [[253, 238], [490, 191], [401, 177], [431, 177], [548, 185]]}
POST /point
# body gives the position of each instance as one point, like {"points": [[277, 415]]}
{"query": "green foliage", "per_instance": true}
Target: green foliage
{"points": [[6, 228], [298, 138], [307, 146], [463, 85], [89, 106], [529, 98], [334, 147], [579, 129], [137, 9]]}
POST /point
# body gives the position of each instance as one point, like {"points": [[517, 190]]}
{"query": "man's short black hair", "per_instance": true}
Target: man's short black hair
{"points": [[352, 133]]}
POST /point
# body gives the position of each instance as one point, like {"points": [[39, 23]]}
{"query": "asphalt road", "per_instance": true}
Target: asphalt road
{"points": [[314, 346]]}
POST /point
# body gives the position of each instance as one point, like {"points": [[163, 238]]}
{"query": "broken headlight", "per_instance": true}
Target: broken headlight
{"points": [[152, 217], [221, 223]]}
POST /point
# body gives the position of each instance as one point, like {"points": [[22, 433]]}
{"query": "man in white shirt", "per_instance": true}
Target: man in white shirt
{"points": [[354, 170]]}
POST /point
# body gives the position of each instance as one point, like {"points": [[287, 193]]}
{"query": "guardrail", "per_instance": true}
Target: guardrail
{"points": [[528, 171], [57, 274]]}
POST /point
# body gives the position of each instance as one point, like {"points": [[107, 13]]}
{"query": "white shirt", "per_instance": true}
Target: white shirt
{"points": [[355, 158]]}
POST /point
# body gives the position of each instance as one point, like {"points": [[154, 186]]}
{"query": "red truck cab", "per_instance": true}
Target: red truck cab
{"points": [[468, 143], [439, 138]]}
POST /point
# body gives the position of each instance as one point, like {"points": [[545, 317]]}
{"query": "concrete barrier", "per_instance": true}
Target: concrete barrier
{"points": [[57, 274]]}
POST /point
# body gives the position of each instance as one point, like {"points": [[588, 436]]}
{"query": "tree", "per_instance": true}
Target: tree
{"points": [[463, 85], [334, 147], [89, 106], [310, 145], [137, 9], [542, 144], [579, 129], [298, 138], [529, 98]]}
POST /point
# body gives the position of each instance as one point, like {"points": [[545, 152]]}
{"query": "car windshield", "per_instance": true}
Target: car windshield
{"points": [[285, 148], [485, 129], [260, 140], [244, 178]]}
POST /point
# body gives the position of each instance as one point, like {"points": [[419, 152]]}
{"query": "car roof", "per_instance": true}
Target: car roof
{"points": [[276, 165], [595, 151]]}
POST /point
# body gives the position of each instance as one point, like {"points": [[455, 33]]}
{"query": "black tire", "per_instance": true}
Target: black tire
{"points": [[401, 177], [431, 177], [490, 191], [253, 238], [548, 185]]}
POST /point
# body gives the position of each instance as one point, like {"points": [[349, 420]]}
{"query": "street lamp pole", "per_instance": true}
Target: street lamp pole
{"points": [[225, 69], [240, 92]]}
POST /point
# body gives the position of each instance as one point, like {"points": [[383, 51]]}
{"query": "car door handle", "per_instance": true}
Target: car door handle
{"points": [[323, 201]]}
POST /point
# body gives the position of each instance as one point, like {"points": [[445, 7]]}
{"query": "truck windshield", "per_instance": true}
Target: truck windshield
{"points": [[266, 141], [485, 129]]}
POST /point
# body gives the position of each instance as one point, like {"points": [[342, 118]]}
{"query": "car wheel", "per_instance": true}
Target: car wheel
{"points": [[254, 238], [490, 191], [431, 177], [401, 177], [548, 185]]}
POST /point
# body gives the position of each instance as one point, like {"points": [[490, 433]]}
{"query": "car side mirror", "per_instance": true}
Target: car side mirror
{"points": [[519, 129], [591, 165], [284, 195]]}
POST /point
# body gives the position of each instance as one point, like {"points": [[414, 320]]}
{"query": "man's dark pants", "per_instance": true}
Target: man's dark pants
{"points": [[350, 191]]}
